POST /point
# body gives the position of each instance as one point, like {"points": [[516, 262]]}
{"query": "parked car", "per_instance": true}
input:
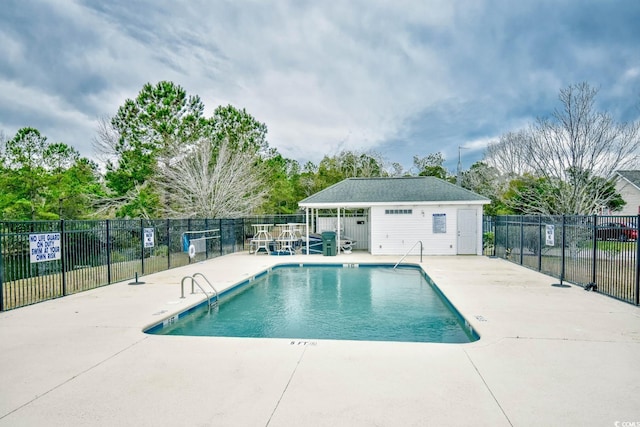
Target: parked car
{"points": [[616, 231]]}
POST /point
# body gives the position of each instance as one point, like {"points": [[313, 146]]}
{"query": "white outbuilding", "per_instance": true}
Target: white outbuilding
{"points": [[391, 216]]}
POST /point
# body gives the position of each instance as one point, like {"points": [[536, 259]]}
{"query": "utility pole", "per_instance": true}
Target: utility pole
{"points": [[459, 175]]}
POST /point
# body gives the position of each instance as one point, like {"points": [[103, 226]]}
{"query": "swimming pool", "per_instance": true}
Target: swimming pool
{"points": [[360, 302]]}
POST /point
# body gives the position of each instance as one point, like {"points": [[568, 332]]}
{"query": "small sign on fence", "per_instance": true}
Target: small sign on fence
{"points": [[44, 247], [550, 235], [148, 237]]}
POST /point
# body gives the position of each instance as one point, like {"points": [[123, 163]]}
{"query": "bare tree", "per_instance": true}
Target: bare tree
{"points": [[508, 154], [355, 164], [396, 170], [214, 182], [431, 165], [108, 207], [370, 164], [578, 145], [106, 141], [487, 181], [570, 158]]}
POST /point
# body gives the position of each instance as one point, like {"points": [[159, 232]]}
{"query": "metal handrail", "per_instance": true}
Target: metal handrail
{"points": [[215, 291], [195, 282], [405, 255]]}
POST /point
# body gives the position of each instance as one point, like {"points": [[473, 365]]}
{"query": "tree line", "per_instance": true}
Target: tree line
{"points": [[162, 158]]}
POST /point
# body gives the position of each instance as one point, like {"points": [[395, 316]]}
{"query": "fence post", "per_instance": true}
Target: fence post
{"points": [[168, 244], [521, 239], [540, 242], [189, 235], [562, 270], [63, 255], [595, 249], [235, 232], [141, 247], [235, 235], [221, 234], [494, 228], [206, 242], [637, 295], [108, 253], [1, 268], [507, 251], [244, 233]]}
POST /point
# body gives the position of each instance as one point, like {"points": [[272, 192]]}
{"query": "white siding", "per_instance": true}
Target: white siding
{"points": [[395, 234], [353, 227], [631, 195]]}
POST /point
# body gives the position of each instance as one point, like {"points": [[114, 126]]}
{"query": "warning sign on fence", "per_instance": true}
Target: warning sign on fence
{"points": [[44, 247], [550, 235], [148, 237]]}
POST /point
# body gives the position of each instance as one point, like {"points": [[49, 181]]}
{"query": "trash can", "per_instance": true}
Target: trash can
{"points": [[328, 243]]}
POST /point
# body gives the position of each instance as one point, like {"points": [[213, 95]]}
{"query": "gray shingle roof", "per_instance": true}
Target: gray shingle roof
{"points": [[631, 176], [392, 190]]}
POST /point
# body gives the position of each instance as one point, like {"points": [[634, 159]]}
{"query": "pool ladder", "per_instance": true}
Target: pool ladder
{"points": [[195, 282]]}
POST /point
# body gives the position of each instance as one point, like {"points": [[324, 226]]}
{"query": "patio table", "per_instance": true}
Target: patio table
{"points": [[261, 238]]}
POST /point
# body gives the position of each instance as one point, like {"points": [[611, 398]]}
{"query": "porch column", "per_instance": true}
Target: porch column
{"points": [[338, 234], [306, 220]]}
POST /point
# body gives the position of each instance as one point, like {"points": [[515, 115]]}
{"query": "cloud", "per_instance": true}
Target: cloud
{"points": [[401, 78], [48, 113]]}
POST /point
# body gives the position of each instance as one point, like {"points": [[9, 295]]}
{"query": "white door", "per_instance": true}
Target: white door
{"points": [[467, 231]]}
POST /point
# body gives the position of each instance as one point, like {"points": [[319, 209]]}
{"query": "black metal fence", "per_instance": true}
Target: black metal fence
{"points": [[597, 252], [42, 260]]}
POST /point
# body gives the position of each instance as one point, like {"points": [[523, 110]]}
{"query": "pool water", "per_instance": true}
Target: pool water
{"points": [[332, 302]]}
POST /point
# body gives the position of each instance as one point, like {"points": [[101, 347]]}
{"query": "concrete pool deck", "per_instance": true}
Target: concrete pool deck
{"points": [[547, 356]]}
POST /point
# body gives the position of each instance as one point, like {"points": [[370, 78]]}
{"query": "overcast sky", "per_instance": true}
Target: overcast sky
{"points": [[402, 78]]}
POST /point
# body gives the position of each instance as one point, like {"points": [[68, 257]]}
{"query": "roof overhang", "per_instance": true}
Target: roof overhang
{"points": [[627, 179], [360, 205]]}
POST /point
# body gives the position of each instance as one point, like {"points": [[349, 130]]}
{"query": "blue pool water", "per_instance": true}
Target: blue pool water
{"points": [[331, 302]]}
